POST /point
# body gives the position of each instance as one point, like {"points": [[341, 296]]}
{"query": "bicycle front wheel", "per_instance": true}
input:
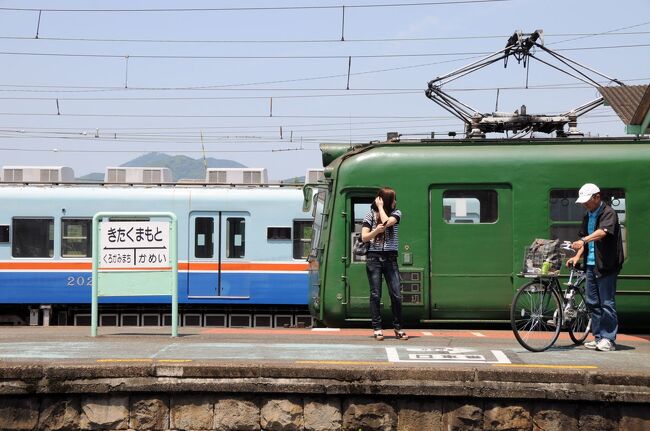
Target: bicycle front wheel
{"points": [[535, 316], [581, 325]]}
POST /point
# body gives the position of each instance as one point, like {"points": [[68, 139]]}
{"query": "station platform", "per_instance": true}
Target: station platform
{"points": [[453, 369], [426, 349]]}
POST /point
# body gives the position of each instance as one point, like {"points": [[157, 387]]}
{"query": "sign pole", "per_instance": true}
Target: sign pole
{"points": [[173, 256], [94, 307]]}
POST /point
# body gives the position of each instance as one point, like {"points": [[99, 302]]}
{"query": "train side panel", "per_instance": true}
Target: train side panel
{"points": [[265, 269], [469, 211]]}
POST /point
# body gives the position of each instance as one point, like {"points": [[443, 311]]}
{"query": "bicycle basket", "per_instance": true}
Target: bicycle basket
{"points": [[540, 251]]}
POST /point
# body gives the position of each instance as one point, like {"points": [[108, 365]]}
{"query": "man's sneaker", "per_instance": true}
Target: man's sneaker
{"points": [[592, 345], [604, 345]]}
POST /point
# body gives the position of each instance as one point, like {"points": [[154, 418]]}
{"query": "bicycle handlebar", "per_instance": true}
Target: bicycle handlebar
{"points": [[566, 245]]}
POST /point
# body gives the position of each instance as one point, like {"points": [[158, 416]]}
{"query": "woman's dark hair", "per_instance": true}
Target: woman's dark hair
{"points": [[388, 196]]}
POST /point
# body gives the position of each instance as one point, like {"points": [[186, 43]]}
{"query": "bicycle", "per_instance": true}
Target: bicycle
{"points": [[540, 309]]}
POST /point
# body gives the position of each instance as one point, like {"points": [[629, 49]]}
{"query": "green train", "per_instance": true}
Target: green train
{"points": [[469, 210]]}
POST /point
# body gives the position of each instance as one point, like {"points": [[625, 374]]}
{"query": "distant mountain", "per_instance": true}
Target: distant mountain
{"points": [[93, 177], [181, 166], [294, 180]]}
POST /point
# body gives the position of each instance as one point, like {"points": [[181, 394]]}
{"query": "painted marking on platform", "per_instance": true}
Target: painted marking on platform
{"points": [[289, 331], [342, 362], [501, 357], [547, 366], [448, 355], [143, 360], [350, 332]]}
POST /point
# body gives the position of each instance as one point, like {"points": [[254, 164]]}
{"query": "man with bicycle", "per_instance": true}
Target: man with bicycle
{"points": [[601, 247]]}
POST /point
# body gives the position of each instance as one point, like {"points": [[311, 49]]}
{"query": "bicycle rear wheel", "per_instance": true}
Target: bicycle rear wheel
{"points": [[535, 316], [580, 326]]}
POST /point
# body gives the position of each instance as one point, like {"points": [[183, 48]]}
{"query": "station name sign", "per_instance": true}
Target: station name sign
{"points": [[134, 245]]}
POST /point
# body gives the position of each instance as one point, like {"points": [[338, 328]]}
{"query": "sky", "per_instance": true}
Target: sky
{"points": [[264, 83]]}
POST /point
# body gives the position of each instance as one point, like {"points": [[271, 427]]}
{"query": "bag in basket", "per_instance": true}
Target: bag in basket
{"points": [[540, 251]]}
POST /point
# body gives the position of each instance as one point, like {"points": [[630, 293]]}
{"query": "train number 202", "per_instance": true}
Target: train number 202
{"points": [[81, 280]]}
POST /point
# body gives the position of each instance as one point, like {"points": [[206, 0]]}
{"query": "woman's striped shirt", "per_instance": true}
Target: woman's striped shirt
{"points": [[385, 242]]}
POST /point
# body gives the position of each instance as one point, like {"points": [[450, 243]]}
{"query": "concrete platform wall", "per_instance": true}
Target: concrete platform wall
{"points": [[257, 397], [202, 411]]}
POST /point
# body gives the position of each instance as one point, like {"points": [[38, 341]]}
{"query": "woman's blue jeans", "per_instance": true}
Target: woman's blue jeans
{"points": [[600, 301], [377, 266]]}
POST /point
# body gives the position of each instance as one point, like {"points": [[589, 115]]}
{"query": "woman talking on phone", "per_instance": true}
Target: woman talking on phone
{"points": [[380, 228]]}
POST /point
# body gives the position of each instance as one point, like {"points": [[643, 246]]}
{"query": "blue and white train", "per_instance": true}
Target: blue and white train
{"points": [[241, 253]]}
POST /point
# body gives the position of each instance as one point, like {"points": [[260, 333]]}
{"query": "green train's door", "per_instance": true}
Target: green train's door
{"points": [[357, 289], [471, 250]]}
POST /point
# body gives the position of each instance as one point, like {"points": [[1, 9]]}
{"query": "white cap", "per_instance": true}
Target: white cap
{"points": [[586, 192]]}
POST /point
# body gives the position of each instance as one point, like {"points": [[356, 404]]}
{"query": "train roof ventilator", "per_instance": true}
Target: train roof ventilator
{"points": [[523, 48]]}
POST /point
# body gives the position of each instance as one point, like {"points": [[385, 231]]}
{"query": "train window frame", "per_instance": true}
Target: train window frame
{"points": [[204, 249], [577, 211], [278, 233], [357, 202], [320, 220], [236, 237], [488, 201], [15, 225], [4, 234], [302, 235], [87, 239]]}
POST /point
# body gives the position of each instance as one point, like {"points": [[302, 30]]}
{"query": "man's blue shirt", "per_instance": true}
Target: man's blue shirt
{"points": [[591, 227]]}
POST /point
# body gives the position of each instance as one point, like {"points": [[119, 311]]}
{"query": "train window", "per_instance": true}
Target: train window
{"points": [[566, 215], [203, 233], [470, 206], [278, 233], [360, 208], [302, 233], [4, 233], [236, 229], [320, 219], [76, 237], [33, 237]]}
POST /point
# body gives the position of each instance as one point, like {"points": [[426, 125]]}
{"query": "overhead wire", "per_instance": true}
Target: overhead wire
{"points": [[320, 41], [194, 137], [258, 8], [344, 93], [142, 151], [238, 86], [75, 114], [291, 57], [309, 78], [341, 139], [43, 114], [604, 33], [229, 137], [359, 138], [290, 96], [254, 128]]}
